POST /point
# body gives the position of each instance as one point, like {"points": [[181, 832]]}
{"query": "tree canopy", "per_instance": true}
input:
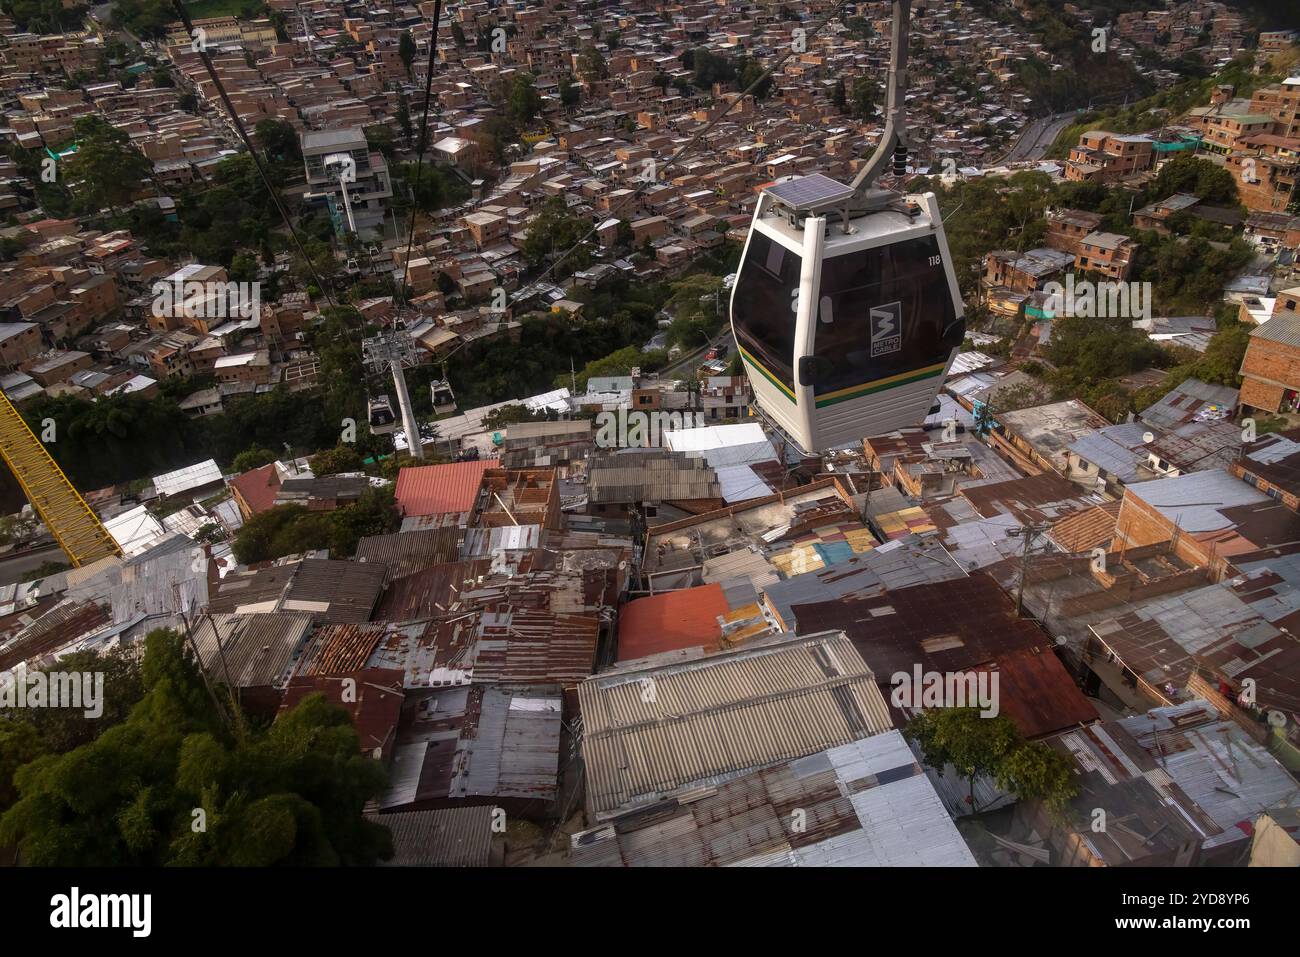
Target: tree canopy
{"points": [[978, 746], [181, 781]]}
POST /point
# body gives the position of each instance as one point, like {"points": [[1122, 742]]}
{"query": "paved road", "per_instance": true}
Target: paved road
{"points": [[1038, 136], [14, 567]]}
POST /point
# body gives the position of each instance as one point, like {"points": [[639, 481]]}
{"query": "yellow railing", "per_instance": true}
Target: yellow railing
{"points": [[72, 522]]}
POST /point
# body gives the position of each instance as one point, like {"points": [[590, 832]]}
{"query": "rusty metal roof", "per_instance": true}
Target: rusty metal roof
{"points": [[339, 649], [1083, 531], [956, 626], [429, 593], [372, 697], [53, 631], [472, 743]]}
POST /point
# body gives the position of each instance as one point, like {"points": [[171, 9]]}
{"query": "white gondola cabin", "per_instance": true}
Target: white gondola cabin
{"points": [[846, 309], [846, 326]]}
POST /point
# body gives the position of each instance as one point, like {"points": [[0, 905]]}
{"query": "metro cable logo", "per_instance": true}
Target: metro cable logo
{"points": [[886, 328]]}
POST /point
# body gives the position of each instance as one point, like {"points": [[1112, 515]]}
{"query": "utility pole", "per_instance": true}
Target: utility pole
{"points": [[1028, 532]]}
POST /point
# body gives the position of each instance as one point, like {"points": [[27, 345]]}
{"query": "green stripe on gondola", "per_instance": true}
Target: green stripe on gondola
{"points": [[785, 389], [881, 385]]}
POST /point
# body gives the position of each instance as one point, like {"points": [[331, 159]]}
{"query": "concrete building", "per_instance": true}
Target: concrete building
{"points": [[340, 160]]}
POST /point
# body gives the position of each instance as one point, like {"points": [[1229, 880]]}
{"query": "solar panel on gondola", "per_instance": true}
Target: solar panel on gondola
{"points": [[846, 309]]}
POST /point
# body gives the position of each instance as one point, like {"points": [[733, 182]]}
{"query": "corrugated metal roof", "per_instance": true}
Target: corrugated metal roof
{"points": [[863, 804], [371, 697], [428, 593], [187, 479], [652, 732], [1283, 328], [1185, 401], [443, 837], [63, 624], [490, 542], [468, 743], [408, 552], [1231, 777], [250, 651], [438, 489], [1086, 530], [330, 591], [650, 476], [1241, 628], [1195, 502], [912, 560], [677, 619], [967, 624], [339, 649]]}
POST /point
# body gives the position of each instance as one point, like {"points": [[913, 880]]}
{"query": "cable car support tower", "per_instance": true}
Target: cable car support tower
{"points": [[395, 352]]}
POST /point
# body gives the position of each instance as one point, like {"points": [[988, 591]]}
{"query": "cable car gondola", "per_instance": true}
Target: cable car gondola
{"points": [[444, 400], [846, 309], [382, 419]]}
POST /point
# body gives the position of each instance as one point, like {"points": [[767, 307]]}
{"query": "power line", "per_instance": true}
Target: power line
{"points": [[689, 144], [202, 51], [422, 143]]}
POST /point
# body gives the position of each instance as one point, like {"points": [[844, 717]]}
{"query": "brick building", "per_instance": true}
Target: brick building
{"points": [[1271, 369], [1103, 157]]}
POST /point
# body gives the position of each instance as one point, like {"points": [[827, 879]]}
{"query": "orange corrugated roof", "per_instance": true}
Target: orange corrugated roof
{"points": [[671, 621], [439, 489], [258, 487]]}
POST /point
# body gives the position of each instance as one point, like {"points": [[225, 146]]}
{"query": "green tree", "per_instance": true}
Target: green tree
{"points": [[523, 102], [20, 743], [570, 92], [293, 794], [278, 139], [380, 138], [252, 458], [975, 746], [553, 232], [106, 171], [1190, 174], [243, 267], [862, 101], [748, 71], [341, 458], [406, 50], [591, 64], [1034, 771], [43, 16], [710, 68]]}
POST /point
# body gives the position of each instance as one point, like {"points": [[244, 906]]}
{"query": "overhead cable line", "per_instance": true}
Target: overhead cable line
{"points": [[202, 50]]}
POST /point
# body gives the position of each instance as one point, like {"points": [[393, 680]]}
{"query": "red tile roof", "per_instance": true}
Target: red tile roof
{"points": [[439, 489], [671, 621], [258, 487]]}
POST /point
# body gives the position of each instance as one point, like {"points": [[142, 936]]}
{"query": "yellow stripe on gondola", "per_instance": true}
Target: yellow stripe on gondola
{"points": [[785, 389], [877, 385]]}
